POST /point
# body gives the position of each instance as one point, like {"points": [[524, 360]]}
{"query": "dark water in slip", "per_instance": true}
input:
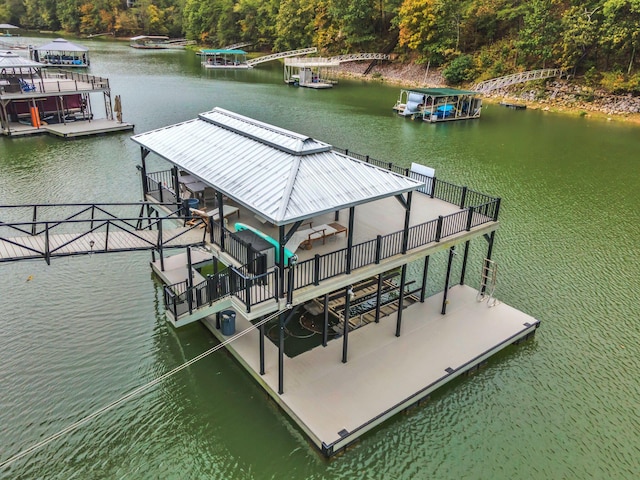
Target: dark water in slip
{"points": [[85, 331]]}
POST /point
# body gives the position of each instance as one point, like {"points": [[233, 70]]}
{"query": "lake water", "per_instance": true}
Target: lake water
{"points": [[81, 333]]}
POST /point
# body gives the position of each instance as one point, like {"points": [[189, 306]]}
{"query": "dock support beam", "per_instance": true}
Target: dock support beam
{"points": [[282, 323], [378, 297], [407, 218], [261, 348], [352, 214], [425, 273], [452, 252], [325, 325], [282, 242], [281, 355], [347, 306], [403, 280], [465, 257]]}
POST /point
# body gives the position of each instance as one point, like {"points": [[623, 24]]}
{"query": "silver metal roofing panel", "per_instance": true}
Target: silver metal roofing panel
{"points": [[13, 60], [280, 175], [62, 45]]}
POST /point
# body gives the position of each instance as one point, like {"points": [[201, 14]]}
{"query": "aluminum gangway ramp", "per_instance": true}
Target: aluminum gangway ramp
{"points": [[522, 77], [90, 229], [275, 56]]}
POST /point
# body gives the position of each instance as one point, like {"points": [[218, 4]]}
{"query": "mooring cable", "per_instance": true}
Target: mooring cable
{"points": [[133, 393]]}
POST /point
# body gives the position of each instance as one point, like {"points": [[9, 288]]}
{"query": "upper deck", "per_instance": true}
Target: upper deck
{"points": [[16, 85]]}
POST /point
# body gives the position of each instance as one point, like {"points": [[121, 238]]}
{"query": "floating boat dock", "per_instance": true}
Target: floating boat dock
{"points": [[35, 100], [438, 104], [378, 338], [310, 72]]}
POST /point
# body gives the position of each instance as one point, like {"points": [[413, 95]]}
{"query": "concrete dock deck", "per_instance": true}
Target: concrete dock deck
{"points": [[335, 403]]}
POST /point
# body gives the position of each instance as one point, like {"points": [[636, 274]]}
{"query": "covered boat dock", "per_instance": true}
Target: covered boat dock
{"points": [[438, 104], [224, 58], [60, 53], [35, 100], [366, 221]]}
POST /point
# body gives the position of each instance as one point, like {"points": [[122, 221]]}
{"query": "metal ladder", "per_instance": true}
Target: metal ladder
{"points": [[489, 278]]}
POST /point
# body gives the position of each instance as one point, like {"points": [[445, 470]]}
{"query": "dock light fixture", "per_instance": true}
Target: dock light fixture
{"points": [[91, 244]]}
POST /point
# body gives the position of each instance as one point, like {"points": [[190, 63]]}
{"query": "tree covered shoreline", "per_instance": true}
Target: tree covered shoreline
{"points": [[469, 40]]}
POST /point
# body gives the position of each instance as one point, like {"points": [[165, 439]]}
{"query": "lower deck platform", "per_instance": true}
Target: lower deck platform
{"points": [[335, 403], [80, 128]]}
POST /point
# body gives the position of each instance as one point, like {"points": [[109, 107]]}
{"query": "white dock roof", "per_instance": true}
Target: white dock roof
{"points": [[62, 45], [281, 175], [13, 60]]}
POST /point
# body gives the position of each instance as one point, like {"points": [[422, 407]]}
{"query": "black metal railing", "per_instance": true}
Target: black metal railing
{"points": [[476, 209], [159, 185], [74, 231], [252, 289]]}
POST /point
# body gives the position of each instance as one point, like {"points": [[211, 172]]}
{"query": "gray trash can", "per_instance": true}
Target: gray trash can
{"points": [[228, 322]]}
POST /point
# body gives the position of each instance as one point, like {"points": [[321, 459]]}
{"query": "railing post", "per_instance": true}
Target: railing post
{"points": [[47, 255], [439, 228], [291, 279], [367, 159], [470, 218], [247, 289], [316, 269], [433, 187], [35, 216], [160, 246], [378, 248], [93, 215], [464, 197], [210, 289], [495, 215], [160, 190], [106, 238]]}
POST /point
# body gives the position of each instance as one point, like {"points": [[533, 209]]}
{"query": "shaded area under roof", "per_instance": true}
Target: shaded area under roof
{"points": [[280, 175], [441, 92], [62, 45]]}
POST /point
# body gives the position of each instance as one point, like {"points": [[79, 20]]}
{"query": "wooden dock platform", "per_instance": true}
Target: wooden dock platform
{"points": [[81, 128], [335, 403]]}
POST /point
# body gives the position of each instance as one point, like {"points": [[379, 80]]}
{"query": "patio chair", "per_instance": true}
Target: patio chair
{"points": [[26, 87]]}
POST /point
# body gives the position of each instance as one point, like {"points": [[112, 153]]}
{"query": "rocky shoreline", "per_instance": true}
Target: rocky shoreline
{"points": [[561, 96]]}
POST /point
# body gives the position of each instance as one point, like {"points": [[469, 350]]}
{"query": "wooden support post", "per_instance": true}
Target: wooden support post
{"points": [[446, 280], [403, 281]]}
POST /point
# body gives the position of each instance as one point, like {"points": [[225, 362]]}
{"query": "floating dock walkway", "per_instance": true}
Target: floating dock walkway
{"points": [[336, 403]]}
